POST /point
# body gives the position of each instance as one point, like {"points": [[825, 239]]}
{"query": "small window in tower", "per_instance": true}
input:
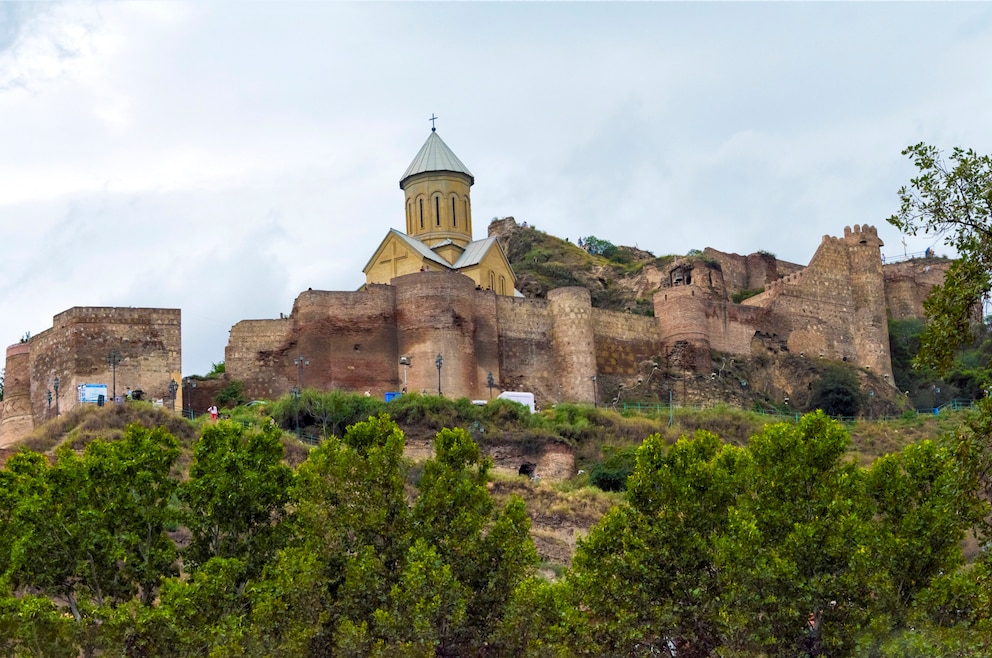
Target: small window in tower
{"points": [[421, 213], [454, 218], [437, 210]]}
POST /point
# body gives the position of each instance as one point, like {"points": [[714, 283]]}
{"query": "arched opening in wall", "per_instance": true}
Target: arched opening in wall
{"points": [[409, 216], [492, 280], [421, 213], [437, 210], [454, 216], [467, 216], [502, 285]]}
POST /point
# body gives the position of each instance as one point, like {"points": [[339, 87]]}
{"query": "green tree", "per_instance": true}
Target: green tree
{"points": [[837, 393], [235, 499], [91, 528], [953, 199]]}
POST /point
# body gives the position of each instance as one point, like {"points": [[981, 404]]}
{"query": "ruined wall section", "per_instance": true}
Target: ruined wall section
{"points": [[907, 285], [749, 272], [15, 411], [573, 343], [527, 360]]}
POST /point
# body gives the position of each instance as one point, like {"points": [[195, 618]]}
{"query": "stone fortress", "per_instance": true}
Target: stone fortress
{"points": [[434, 291]]}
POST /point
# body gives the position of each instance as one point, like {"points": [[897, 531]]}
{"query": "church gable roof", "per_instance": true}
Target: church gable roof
{"points": [[435, 155]]}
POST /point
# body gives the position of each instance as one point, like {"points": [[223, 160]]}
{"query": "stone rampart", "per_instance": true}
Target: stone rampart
{"points": [[76, 349], [572, 343], [15, 410], [527, 361], [907, 285]]}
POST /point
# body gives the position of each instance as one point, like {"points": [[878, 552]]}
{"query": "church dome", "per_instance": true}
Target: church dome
{"points": [[433, 156]]}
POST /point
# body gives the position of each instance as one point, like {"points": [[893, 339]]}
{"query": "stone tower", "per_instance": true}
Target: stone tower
{"points": [[436, 187]]}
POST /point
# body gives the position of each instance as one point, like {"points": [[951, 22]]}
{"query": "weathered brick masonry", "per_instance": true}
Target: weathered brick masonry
{"points": [[75, 349], [561, 348]]}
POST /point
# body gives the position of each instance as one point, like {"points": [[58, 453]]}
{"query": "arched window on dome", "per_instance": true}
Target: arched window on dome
{"points": [[437, 210], [454, 217], [421, 213]]}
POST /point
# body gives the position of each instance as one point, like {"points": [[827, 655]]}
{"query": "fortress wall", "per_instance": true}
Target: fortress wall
{"points": [[680, 313], [907, 285], [573, 342], [731, 327], [871, 327], [256, 350], [750, 272], [15, 410], [623, 342], [76, 348], [435, 314], [349, 339], [525, 338], [486, 344]]}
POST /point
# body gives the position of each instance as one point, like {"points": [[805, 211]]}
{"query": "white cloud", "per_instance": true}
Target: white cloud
{"points": [[220, 158]]}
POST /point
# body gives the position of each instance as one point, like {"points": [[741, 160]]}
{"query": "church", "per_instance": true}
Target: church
{"points": [[438, 237]]}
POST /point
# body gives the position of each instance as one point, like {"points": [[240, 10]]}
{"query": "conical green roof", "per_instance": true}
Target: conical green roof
{"points": [[435, 155]]}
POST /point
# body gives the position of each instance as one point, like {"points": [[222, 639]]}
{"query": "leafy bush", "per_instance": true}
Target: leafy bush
{"points": [[837, 392], [612, 474], [231, 395], [747, 293]]}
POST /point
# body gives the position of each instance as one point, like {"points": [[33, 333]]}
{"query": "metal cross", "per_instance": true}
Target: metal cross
{"points": [[433, 119]]}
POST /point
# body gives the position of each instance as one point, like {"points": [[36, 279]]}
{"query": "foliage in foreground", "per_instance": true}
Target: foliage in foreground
{"points": [[717, 549]]}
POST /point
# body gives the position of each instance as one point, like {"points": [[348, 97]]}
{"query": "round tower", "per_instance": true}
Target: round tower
{"points": [[436, 188], [573, 343], [15, 418], [435, 316]]}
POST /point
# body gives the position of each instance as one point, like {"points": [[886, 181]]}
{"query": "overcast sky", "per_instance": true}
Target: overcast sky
{"points": [[221, 157]]}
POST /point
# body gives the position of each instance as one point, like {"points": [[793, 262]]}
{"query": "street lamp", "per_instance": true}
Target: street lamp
{"points": [[173, 388], [295, 392], [438, 362], [113, 359], [405, 362], [489, 380], [300, 362], [595, 391], [55, 385], [188, 384]]}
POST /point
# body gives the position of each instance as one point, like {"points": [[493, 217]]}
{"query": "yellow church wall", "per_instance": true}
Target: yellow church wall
{"points": [[393, 259], [432, 221], [494, 273]]}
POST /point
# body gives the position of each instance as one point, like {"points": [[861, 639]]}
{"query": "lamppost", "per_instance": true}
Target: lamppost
{"points": [[595, 391], [113, 359], [405, 362], [300, 362], [438, 362], [489, 380], [173, 388], [55, 385], [188, 384], [295, 392]]}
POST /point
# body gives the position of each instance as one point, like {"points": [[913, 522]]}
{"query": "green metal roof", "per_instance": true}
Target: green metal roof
{"points": [[435, 155]]}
